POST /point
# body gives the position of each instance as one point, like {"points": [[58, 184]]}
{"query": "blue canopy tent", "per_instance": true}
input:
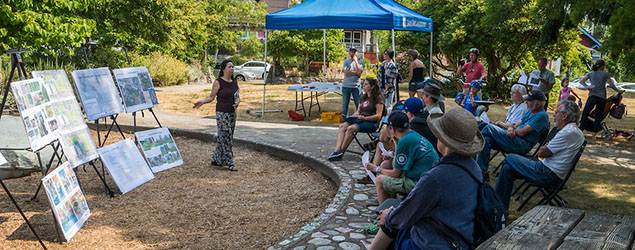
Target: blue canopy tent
{"points": [[349, 14]]}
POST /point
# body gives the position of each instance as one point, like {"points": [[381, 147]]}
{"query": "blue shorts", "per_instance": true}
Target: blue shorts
{"points": [[366, 127]]}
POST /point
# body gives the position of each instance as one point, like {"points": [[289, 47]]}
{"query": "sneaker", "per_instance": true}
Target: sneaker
{"points": [[335, 156]]}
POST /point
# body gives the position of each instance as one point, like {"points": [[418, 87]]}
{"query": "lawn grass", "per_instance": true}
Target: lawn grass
{"points": [[597, 184]]}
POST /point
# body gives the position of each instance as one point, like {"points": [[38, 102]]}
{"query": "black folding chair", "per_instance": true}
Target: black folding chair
{"points": [[544, 138], [371, 135], [550, 194]]}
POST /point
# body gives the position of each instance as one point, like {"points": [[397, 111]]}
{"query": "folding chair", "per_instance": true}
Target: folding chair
{"points": [[544, 138], [550, 194], [372, 135]]}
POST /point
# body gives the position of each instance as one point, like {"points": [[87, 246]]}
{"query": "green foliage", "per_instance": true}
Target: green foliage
{"points": [[44, 25], [252, 48], [194, 73], [238, 59], [164, 69], [305, 46]]}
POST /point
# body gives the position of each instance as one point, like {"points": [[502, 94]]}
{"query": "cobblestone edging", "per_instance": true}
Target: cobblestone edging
{"points": [[337, 174]]}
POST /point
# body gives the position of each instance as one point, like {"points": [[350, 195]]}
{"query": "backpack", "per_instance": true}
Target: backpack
{"points": [[618, 110], [489, 218]]}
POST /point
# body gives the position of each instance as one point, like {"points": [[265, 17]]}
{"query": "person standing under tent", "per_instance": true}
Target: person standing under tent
{"points": [[417, 72], [474, 70], [597, 96], [225, 90], [547, 79], [352, 70], [387, 77]]}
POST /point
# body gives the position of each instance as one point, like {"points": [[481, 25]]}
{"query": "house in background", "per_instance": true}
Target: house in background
{"points": [[365, 43], [591, 43]]}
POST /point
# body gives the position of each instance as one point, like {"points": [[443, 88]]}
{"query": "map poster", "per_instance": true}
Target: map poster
{"points": [[56, 82], [78, 146], [136, 88], [36, 110], [97, 93], [125, 164], [159, 149], [67, 200]]}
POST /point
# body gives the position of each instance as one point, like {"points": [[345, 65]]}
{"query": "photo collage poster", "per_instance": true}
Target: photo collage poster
{"points": [[159, 149], [67, 200], [97, 93], [36, 110], [136, 88], [125, 164], [77, 142]]}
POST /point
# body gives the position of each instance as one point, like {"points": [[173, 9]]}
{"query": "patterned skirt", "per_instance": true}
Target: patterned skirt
{"points": [[225, 122]]}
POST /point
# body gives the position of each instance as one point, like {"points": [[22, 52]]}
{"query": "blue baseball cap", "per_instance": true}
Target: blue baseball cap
{"points": [[413, 105]]}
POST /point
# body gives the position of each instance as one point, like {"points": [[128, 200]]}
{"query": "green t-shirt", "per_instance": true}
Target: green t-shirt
{"points": [[414, 155]]}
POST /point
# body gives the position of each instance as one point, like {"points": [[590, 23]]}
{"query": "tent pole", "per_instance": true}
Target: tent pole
{"points": [[393, 39], [264, 86], [431, 53], [324, 57], [392, 31]]}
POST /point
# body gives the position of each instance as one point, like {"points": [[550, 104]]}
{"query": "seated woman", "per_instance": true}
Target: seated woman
{"points": [[371, 105], [515, 112], [445, 194]]}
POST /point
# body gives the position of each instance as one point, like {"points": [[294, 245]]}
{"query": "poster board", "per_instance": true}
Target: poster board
{"points": [[2, 159], [136, 88], [78, 146], [36, 110], [534, 78], [159, 149], [125, 164], [97, 93], [56, 82], [67, 200]]}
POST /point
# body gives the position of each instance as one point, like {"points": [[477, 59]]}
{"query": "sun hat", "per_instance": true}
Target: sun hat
{"points": [[458, 130], [413, 105], [535, 95], [431, 88], [398, 119]]}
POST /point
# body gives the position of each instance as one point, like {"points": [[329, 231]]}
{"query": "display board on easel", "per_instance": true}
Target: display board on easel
{"points": [[36, 110], [66, 199], [125, 164], [136, 88], [159, 149], [97, 93]]}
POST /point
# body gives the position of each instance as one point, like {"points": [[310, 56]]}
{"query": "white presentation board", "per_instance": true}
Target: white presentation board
{"points": [[97, 93], [136, 88], [36, 110], [125, 164], [78, 146], [56, 82], [159, 149], [67, 200]]}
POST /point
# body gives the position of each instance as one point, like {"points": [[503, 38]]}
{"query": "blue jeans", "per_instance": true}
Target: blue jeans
{"points": [[496, 138], [388, 99], [346, 97], [518, 167]]}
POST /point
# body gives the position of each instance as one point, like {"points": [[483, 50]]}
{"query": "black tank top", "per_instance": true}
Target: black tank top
{"points": [[417, 75], [225, 96]]}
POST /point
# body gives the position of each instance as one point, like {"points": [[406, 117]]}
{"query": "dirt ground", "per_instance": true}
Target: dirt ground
{"points": [[192, 206]]}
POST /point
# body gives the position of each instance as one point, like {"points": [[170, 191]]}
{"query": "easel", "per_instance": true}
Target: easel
{"points": [[16, 63], [134, 114]]}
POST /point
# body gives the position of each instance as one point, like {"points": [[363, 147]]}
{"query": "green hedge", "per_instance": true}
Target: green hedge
{"points": [[164, 69]]}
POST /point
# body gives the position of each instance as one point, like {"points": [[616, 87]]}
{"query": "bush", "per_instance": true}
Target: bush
{"points": [[237, 60], [194, 73], [164, 69]]}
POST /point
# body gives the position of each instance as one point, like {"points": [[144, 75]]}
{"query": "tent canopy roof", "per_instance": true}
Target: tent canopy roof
{"points": [[349, 14]]}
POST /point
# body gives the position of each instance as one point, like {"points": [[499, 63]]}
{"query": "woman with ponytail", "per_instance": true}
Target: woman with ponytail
{"points": [[597, 96]]}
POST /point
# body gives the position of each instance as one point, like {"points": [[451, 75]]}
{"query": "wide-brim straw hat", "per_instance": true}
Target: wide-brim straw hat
{"points": [[458, 130]]}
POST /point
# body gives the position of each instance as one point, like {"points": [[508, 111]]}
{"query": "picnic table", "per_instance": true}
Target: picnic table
{"points": [[315, 90], [547, 227]]}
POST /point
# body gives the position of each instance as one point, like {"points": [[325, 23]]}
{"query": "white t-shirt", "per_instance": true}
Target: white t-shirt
{"points": [[564, 146], [516, 112]]}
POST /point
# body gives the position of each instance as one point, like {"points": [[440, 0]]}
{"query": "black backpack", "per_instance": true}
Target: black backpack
{"points": [[489, 218]]}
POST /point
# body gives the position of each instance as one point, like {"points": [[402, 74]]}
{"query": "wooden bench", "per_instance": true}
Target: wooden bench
{"points": [[547, 227]]}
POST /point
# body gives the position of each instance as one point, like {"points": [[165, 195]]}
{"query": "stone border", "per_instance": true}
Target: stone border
{"points": [[337, 174]]}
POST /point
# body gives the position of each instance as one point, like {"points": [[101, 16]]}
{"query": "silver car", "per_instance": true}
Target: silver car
{"points": [[258, 68], [239, 74]]}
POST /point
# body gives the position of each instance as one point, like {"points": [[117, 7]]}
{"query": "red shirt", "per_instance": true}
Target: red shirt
{"points": [[472, 72]]}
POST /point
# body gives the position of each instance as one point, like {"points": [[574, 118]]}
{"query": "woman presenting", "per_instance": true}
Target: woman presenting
{"points": [[225, 88]]}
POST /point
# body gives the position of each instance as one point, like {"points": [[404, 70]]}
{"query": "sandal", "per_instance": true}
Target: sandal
{"points": [[233, 168]]}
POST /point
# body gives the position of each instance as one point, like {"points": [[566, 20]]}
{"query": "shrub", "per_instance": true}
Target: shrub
{"points": [[164, 69], [194, 73]]}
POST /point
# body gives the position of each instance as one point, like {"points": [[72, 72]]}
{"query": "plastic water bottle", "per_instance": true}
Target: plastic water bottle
{"points": [[580, 103]]}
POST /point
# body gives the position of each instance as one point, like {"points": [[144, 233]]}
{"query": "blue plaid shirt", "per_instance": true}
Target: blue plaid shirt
{"points": [[387, 75]]}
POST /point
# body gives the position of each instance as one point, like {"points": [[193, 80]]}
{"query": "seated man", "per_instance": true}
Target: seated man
{"points": [[414, 156], [445, 193], [431, 95], [557, 155], [521, 136]]}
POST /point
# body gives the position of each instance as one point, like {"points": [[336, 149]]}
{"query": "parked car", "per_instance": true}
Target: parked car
{"points": [[627, 86], [576, 83], [239, 74], [254, 67]]}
